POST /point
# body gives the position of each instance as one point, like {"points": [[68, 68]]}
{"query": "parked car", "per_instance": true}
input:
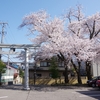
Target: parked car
{"points": [[98, 83], [93, 81]]}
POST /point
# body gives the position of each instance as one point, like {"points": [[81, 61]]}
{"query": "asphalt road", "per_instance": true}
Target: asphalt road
{"points": [[49, 93]]}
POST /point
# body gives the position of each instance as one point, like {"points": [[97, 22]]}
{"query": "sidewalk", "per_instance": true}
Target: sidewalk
{"points": [[16, 92]]}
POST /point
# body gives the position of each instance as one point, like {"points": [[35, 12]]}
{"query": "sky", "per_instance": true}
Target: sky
{"points": [[13, 11]]}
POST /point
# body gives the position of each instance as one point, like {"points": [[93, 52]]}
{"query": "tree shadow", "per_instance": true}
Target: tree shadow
{"points": [[45, 88], [12, 87], [92, 92]]}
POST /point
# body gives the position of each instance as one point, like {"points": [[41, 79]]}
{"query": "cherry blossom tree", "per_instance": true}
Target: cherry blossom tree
{"points": [[83, 49], [56, 39], [50, 32], [75, 18], [88, 27]]}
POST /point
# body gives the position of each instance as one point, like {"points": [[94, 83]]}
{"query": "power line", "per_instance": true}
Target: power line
{"points": [[10, 58], [11, 35]]}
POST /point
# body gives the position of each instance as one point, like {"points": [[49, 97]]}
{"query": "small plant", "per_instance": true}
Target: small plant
{"points": [[21, 73], [2, 69], [54, 69]]}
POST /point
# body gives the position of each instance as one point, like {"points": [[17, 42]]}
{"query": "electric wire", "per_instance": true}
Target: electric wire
{"points": [[9, 58], [11, 36], [6, 41]]}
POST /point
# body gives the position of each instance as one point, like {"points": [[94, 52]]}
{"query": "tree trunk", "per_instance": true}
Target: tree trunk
{"points": [[66, 72], [79, 78], [62, 58], [88, 70], [77, 69], [79, 74], [66, 75], [56, 81]]}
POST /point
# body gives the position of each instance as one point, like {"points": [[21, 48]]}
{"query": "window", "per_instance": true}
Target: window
{"points": [[43, 64], [48, 63], [61, 64], [31, 64], [38, 75]]}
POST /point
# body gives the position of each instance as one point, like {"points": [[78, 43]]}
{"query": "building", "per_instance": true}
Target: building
{"points": [[41, 69], [8, 76], [96, 66]]}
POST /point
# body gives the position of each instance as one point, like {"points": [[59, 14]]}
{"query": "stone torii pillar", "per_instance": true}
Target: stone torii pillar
{"points": [[26, 74]]}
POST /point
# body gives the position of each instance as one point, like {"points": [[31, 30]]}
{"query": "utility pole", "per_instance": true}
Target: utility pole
{"points": [[2, 34]]}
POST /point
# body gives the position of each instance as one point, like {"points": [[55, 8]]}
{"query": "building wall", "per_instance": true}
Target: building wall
{"points": [[42, 74], [9, 74], [96, 68]]}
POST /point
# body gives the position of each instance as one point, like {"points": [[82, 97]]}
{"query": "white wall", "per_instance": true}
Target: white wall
{"points": [[96, 68]]}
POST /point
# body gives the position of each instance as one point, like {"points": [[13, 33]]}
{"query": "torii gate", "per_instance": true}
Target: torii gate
{"points": [[25, 47]]}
